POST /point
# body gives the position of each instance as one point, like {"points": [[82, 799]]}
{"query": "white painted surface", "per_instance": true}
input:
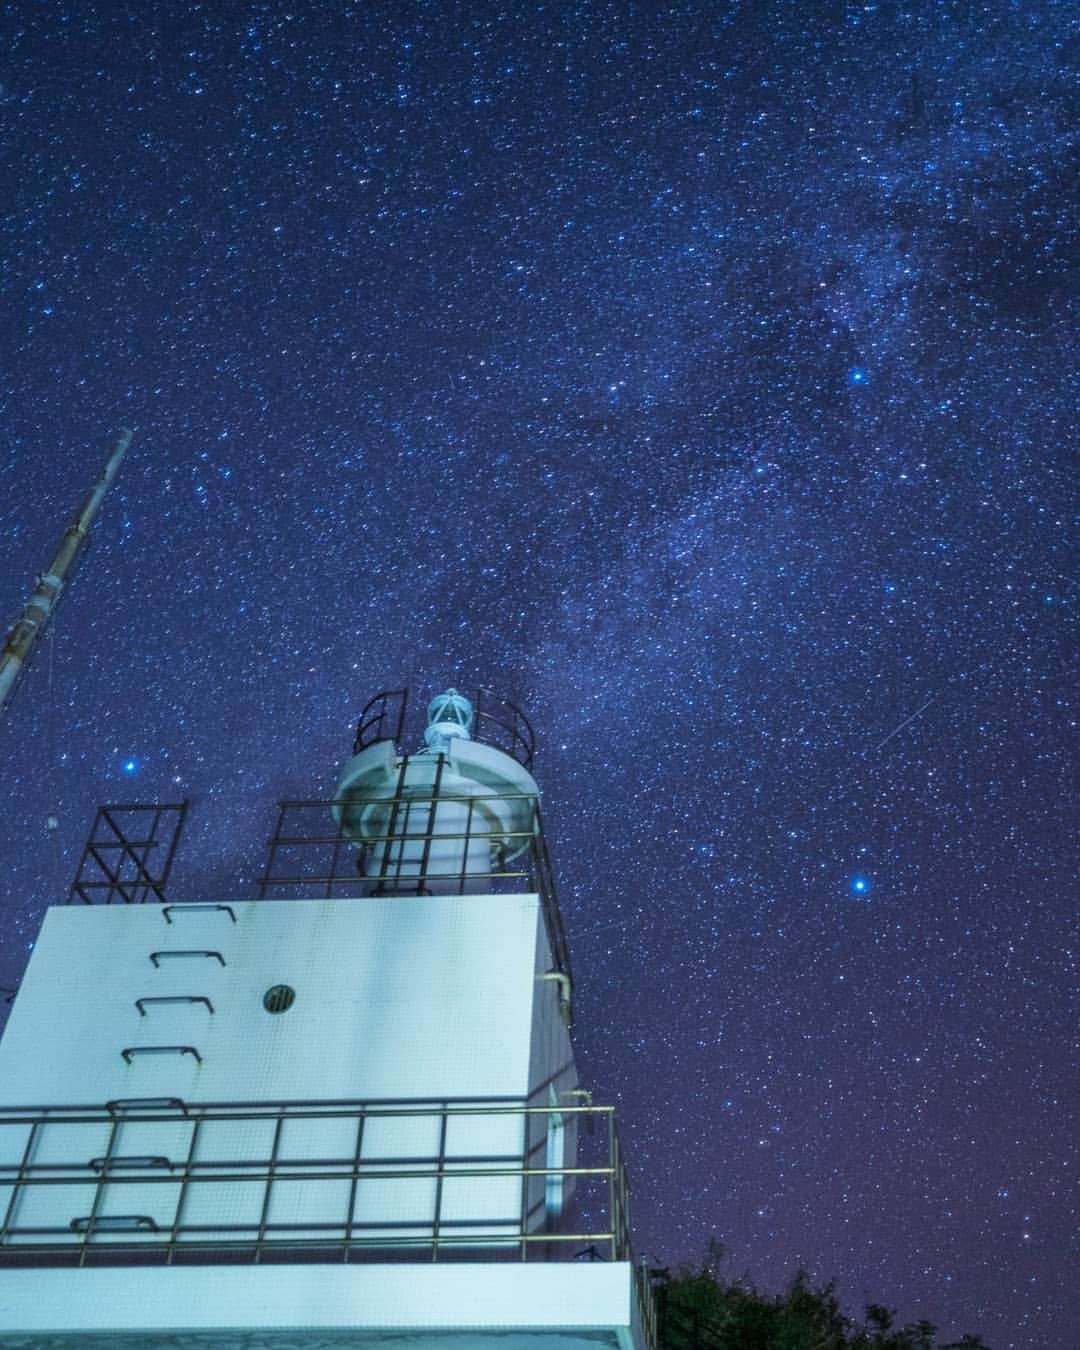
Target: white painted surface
{"points": [[395, 997], [596, 1296]]}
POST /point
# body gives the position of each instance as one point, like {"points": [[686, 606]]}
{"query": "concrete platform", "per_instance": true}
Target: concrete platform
{"points": [[552, 1306]]}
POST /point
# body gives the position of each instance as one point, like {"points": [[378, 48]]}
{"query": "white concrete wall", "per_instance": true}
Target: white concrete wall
{"points": [[593, 1301], [396, 998]]}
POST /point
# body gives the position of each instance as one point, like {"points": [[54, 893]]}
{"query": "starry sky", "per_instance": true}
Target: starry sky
{"points": [[697, 375]]}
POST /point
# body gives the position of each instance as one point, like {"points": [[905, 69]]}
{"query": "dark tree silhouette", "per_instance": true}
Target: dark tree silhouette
{"points": [[699, 1309]]}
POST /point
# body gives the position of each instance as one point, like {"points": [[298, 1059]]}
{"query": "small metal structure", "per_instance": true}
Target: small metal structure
{"points": [[129, 854], [38, 610]]}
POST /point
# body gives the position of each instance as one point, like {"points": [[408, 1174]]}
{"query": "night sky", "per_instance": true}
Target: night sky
{"points": [[696, 375]]}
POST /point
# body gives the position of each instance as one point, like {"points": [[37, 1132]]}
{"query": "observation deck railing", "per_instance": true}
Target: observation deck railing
{"points": [[164, 1181], [160, 1181]]}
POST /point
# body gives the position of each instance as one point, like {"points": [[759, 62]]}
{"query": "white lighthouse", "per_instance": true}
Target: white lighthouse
{"points": [[343, 1114]]}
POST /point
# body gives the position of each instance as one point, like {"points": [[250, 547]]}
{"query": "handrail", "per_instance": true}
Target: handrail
{"points": [[167, 910], [156, 1215], [316, 1108], [497, 721], [158, 957], [380, 717], [131, 1050], [140, 1003]]}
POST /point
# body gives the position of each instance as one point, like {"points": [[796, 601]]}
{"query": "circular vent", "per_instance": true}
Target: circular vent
{"points": [[279, 998]]}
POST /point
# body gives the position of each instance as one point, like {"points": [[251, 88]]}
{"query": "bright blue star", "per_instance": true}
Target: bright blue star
{"points": [[860, 885], [130, 765], [857, 375]]}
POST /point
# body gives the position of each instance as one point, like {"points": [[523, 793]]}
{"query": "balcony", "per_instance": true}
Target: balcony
{"points": [[167, 1189]]}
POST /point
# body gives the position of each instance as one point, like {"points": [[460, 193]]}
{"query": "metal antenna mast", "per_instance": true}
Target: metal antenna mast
{"points": [[37, 611]]}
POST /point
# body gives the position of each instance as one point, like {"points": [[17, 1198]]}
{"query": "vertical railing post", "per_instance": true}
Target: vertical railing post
{"points": [[391, 827], [465, 846], [98, 1190], [265, 879], [181, 1198], [613, 1189], [20, 1176], [354, 1183], [526, 1154], [264, 1216], [433, 807], [436, 1214]]}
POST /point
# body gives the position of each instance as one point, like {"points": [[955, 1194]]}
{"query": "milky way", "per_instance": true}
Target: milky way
{"points": [[698, 377]]}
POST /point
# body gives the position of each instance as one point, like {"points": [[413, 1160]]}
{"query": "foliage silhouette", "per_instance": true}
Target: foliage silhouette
{"points": [[699, 1309]]}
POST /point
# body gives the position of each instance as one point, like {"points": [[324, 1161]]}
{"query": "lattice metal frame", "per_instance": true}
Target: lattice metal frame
{"points": [[129, 854]]}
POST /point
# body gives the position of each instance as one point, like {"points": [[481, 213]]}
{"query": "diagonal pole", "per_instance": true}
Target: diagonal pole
{"points": [[38, 610]]}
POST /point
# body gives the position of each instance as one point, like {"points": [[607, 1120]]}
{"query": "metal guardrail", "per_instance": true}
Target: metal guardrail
{"points": [[118, 1183], [309, 855], [496, 721], [646, 1305]]}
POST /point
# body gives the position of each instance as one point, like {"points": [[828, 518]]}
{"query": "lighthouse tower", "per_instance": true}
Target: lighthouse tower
{"points": [[345, 1113]]}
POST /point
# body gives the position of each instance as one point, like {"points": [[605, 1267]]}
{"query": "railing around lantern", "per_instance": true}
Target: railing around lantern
{"points": [[163, 1181], [382, 719], [496, 721]]}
